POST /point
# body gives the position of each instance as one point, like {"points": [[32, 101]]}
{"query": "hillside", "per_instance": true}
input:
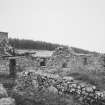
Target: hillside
{"points": [[30, 44], [41, 45]]}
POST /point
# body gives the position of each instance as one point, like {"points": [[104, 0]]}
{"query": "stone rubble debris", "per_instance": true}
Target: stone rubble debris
{"points": [[3, 92], [7, 101], [66, 57], [86, 94], [4, 98]]}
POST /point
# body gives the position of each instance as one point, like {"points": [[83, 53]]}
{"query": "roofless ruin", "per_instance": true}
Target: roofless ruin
{"points": [[8, 55]]}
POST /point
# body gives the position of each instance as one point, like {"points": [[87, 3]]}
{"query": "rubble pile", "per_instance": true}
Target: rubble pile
{"points": [[7, 101], [84, 93], [59, 58], [4, 98], [62, 51]]}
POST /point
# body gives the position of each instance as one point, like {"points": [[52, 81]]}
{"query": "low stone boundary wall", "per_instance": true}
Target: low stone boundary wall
{"points": [[86, 94]]}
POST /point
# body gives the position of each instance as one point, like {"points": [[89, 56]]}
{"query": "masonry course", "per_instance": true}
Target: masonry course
{"points": [[85, 93]]}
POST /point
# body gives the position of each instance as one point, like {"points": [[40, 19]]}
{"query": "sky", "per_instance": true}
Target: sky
{"points": [[78, 23]]}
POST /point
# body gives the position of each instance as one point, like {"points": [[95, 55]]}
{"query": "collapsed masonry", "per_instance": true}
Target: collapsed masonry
{"points": [[86, 94], [67, 58], [4, 98]]}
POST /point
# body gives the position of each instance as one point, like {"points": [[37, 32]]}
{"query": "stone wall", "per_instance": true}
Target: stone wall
{"points": [[86, 94], [67, 58], [4, 66], [31, 63], [4, 51], [62, 58], [3, 42], [26, 63], [23, 63]]}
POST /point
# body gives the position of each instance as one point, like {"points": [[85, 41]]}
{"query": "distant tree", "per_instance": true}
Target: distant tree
{"points": [[30, 44]]}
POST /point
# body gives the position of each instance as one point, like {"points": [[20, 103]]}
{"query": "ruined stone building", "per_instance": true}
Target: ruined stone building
{"points": [[10, 60], [7, 55], [67, 58], [42, 58], [62, 57]]}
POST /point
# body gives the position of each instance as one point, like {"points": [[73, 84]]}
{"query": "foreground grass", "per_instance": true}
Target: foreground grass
{"points": [[43, 98], [94, 78]]}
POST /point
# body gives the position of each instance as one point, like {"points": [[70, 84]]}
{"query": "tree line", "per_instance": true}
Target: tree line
{"points": [[41, 45], [30, 44]]}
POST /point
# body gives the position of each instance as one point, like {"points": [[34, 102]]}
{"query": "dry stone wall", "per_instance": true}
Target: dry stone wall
{"points": [[86, 94]]}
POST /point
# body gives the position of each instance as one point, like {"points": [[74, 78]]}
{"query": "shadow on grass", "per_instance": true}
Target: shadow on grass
{"points": [[41, 98]]}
